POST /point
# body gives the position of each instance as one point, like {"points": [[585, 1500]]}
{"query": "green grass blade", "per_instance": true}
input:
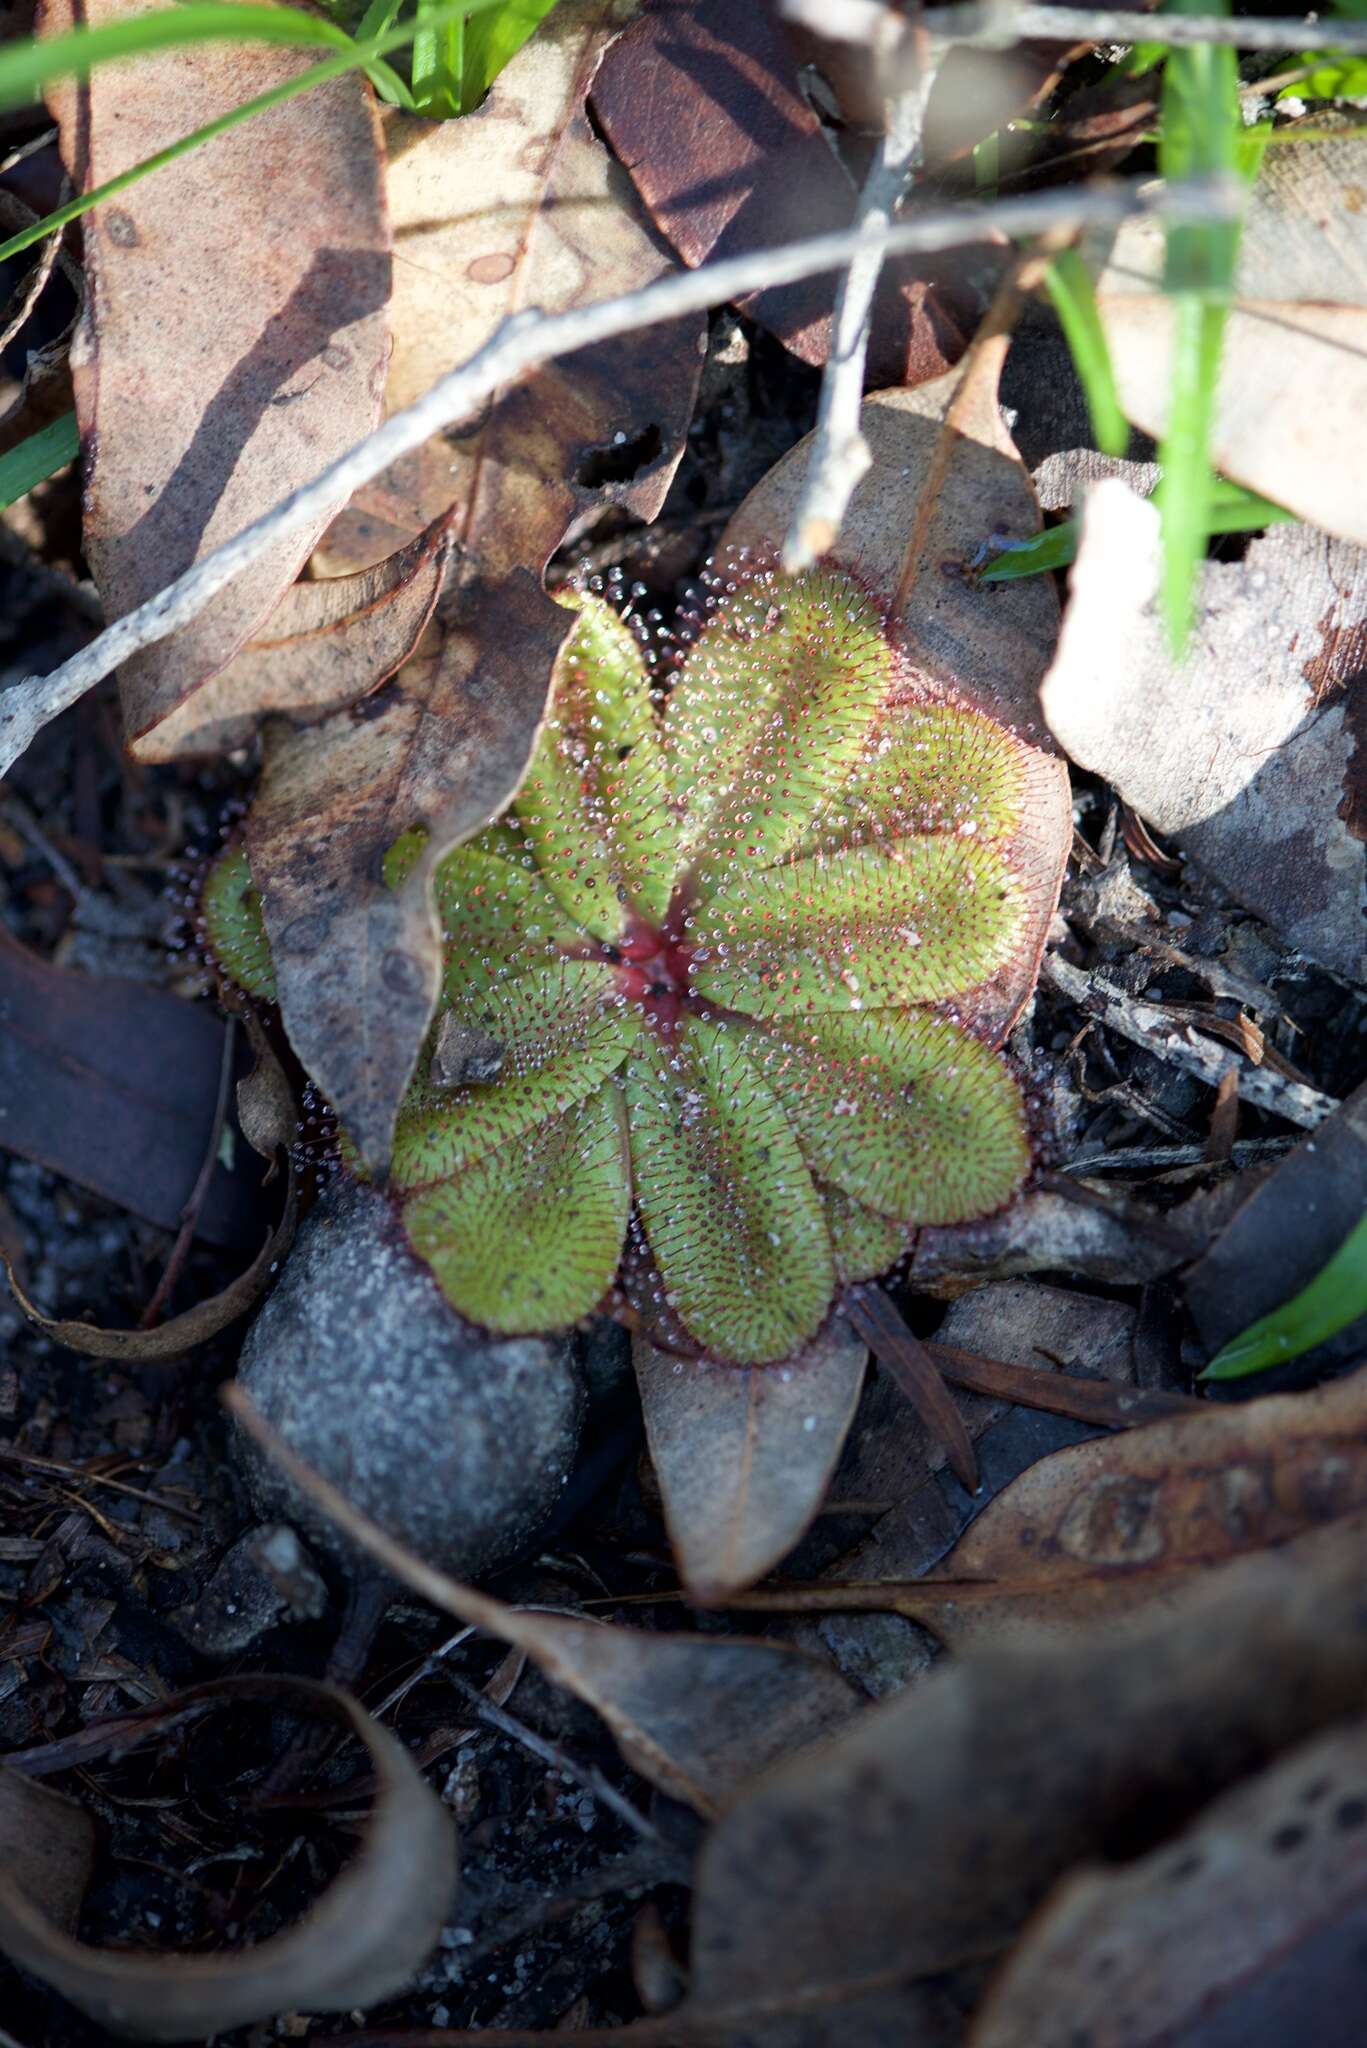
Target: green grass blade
{"points": [[1069, 284], [356, 56], [491, 40], [42, 455], [438, 61], [1232, 510], [29, 66], [1336, 1297]]}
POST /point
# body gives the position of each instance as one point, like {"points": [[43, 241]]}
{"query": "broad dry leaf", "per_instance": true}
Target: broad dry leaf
{"points": [[264, 255], [697, 1715], [516, 205], [744, 1454], [1247, 1928], [1293, 381], [704, 104], [359, 1944], [1243, 750]]}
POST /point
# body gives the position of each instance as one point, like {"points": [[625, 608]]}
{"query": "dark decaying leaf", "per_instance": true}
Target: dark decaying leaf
{"points": [[1247, 1928], [744, 1454], [112, 1083], [267, 252], [448, 743], [697, 1715], [703, 104], [1286, 1229], [1248, 771], [360, 1943], [267, 1118]]}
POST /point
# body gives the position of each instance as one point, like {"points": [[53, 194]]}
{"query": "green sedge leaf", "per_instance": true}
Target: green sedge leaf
{"points": [[491, 40], [910, 921], [41, 456], [1336, 1297], [1341, 78], [529, 1238], [593, 806], [863, 1244], [768, 717], [734, 1223], [557, 1031], [234, 928], [903, 1110], [1069, 285]]}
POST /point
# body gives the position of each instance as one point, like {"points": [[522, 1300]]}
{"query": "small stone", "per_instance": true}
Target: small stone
{"points": [[266, 1577], [457, 1443]]}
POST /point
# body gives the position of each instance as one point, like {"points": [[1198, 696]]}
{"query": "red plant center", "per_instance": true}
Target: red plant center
{"points": [[654, 969]]}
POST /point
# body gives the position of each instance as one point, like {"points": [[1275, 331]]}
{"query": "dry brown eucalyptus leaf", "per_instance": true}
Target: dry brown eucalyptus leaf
{"points": [[447, 744], [266, 253], [1242, 750], [327, 644], [744, 1454], [1108, 1529], [1293, 380], [1247, 1928], [360, 1943], [266, 1113], [696, 1715]]}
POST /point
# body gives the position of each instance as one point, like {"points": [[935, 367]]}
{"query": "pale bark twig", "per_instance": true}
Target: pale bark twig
{"points": [[1000, 23], [524, 342]]}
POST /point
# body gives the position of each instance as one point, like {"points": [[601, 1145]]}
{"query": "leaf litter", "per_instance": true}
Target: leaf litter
{"points": [[862, 1888]]}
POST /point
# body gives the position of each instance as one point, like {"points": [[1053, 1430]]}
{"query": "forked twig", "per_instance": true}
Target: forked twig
{"points": [[525, 341]]}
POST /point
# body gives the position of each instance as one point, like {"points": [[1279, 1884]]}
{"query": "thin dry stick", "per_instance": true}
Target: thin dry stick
{"points": [[525, 341], [1149, 1026], [1002, 24], [840, 454]]}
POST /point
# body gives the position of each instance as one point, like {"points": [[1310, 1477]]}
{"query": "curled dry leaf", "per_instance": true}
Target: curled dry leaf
{"points": [[448, 744], [266, 1114], [1243, 750], [696, 1715], [1293, 374], [704, 105], [267, 252], [360, 1943], [1109, 1529], [1247, 1927], [327, 644], [744, 1455]]}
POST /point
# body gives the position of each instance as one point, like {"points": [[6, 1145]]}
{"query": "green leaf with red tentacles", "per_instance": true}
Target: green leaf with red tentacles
{"points": [[912, 921], [593, 805], [717, 974], [234, 930], [903, 1110], [734, 1222], [530, 1238], [770, 715]]}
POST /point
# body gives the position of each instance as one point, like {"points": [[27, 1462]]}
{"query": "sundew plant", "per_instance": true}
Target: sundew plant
{"points": [[716, 988]]}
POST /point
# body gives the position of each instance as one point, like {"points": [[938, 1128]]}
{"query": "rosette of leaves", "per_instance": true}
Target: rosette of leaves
{"points": [[710, 988]]}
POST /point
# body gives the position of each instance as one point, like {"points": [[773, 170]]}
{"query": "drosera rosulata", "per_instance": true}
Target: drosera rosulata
{"points": [[723, 985]]}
